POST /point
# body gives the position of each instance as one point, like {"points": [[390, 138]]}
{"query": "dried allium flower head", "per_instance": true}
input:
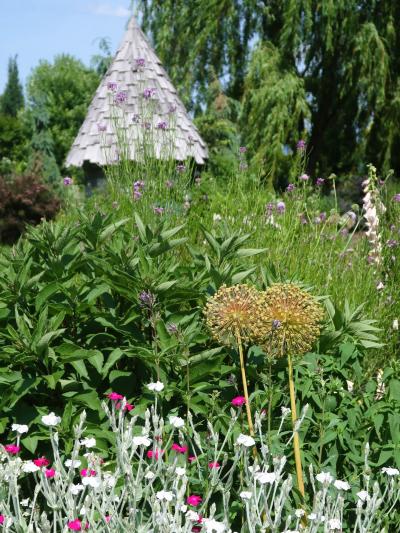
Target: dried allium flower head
{"points": [[234, 310], [291, 319]]}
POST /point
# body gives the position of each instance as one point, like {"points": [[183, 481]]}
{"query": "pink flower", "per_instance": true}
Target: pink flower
{"points": [[86, 472], [156, 454], [191, 458], [238, 401], [2, 518], [214, 465], [178, 448], [107, 518], [12, 449], [49, 473], [194, 500], [128, 406], [114, 396], [75, 525], [42, 461]]}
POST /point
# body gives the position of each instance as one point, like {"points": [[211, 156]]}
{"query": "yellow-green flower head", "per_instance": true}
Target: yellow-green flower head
{"points": [[291, 319], [234, 310]]}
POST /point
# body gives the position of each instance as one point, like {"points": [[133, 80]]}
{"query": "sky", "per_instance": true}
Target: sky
{"points": [[41, 29]]}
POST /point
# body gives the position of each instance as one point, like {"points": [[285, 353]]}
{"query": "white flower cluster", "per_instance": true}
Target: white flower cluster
{"points": [[373, 208]]}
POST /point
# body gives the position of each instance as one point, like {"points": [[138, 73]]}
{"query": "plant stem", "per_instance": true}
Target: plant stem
{"points": [[296, 441], [244, 380]]}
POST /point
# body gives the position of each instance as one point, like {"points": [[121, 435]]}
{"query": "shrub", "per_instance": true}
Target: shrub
{"points": [[24, 201]]}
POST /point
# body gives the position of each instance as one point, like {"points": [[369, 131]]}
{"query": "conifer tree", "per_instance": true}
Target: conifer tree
{"points": [[12, 100]]}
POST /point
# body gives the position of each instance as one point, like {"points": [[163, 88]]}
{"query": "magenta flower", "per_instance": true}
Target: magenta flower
{"points": [[121, 97], [114, 396], [149, 93], [320, 182], [194, 500], [191, 458], [214, 465], [291, 187], [12, 449], [128, 406], [42, 461], [396, 197], [87, 472], [67, 181], [178, 448], [238, 401], [162, 125], [140, 62], [304, 177], [107, 518], [75, 525], [49, 473], [2, 519], [156, 454], [301, 145], [112, 86]]}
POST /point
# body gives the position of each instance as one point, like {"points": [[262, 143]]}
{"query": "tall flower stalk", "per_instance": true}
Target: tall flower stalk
{"points": [[373, 208]]}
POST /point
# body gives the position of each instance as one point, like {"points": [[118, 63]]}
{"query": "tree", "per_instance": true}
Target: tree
{"points": [[12, 100], [339, 61], [100, 62], [59, 94]]}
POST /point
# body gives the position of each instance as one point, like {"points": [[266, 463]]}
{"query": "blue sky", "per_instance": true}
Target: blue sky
{"points": [[41, 29]]}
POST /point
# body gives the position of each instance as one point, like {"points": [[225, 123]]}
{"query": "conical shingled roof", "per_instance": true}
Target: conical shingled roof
{"points": [[135, 83]]}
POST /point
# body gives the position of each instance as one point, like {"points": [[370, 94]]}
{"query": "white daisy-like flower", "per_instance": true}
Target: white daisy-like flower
{"points": [[312, 516], [76, 489], [149, 475], [164, 495], [183, 508], [29, 466], [88, 442], [245, 440], [180, 471], [265, 477], [20, 428], [390, 471], [341, 485], [334, 523], [92, 481], [176, 421], [51, 419], [324, 477], [156, 387], [142, 440], [363, 495], [69, 463], [299, 513], [245, 495], [213, 526]]}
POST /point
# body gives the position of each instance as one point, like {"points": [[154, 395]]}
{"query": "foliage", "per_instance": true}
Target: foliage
{"points": [[100, 62], [58, 96], [12, 99], [24, 201]]}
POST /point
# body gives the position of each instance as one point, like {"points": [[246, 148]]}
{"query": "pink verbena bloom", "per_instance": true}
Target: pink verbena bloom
{"points": [[114, 396], [194, 500], [12, 449], [214, 465], [178, 448], [156, 454], [238, 401], [87, 472], [75, 525], [42, 461], [50, 473]]}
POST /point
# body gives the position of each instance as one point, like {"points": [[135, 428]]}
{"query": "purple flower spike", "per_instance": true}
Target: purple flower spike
{"points": [[149, 93], [320, 182], [280, 207], [181, 168], [304, 177], [242, 149], [137, 195], [67, 181], [121, 97], [140, 62], [301, 145], [158, 210], [162, 125], [112, 86], [291, 187], [146, 299], [396, 197]]}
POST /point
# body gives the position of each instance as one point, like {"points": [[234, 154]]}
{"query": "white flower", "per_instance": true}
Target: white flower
{"points": [[109, 480], [29, 466], [20, 428], [156, 387], [51, 419], [88, 442], [265, 477], [164, 495], [212, 526], [335, 523], [82, 511], [217, 217], [363, 495], [25, 503], [350, 385], [149, 475], [91, 481], [324, 477], [176, 421], [76, 489], [180, 470], [183, 508], [291, 531], [312, 516], [245, 495], [192, 515], [390, 471], [380, 286], [395, 324], [299, 513], [253, 469], [246, 440], [342, 485], [141, 441], [285, 411], [69, 463]]}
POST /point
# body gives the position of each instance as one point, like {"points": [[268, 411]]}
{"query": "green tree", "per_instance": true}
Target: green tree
{"points": [[12, 100], [339, 61], [59, 94]]}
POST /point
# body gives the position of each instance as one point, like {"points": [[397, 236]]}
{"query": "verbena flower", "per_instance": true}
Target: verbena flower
{"points": [[320, 182], [67, 181], [234, 310], [291, 187], [301, 145], [299, 316], [304, 177], [112, 86]]}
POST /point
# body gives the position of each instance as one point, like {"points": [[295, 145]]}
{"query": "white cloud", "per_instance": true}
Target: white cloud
{"points": [[110, 10]]}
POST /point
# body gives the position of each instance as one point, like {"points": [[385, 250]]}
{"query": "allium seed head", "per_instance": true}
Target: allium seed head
{"points": [[298, 315]]}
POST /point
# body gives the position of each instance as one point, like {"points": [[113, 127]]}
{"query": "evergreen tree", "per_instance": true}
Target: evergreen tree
{"points": [[12, 100]]}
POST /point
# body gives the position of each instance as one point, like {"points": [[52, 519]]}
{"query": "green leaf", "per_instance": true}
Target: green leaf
{"points": [[109, 230], [45, 293], [248, 252]]}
